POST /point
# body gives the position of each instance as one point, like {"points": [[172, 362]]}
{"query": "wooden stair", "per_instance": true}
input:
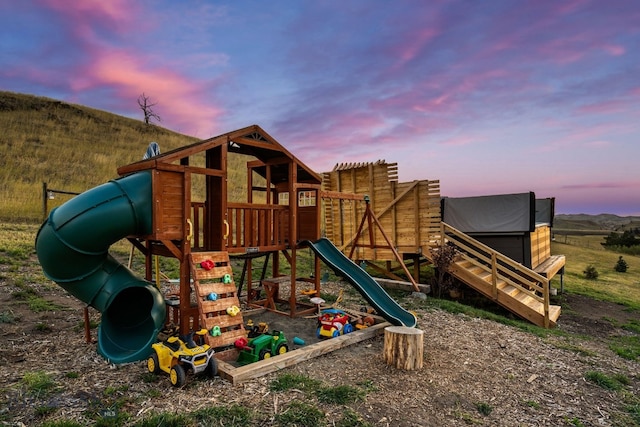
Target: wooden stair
{"points": [[510, 284], [214, 312], [513, 298]]}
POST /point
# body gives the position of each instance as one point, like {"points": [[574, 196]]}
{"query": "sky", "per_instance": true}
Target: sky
{"points": [[488, 97]]}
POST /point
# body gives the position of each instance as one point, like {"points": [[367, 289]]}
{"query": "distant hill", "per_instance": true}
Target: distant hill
{"points": [[602, 222]]}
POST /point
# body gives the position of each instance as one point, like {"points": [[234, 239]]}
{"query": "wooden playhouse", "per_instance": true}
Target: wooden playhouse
{"points": [[200, 223]]}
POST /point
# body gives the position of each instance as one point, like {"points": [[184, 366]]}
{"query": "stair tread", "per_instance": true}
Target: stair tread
{"points": [[527, 300], [509, 289], [554, 312], [463, 263]]}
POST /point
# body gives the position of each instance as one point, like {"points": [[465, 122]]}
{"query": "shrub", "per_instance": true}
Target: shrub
{"points": [[484, 408], [590, 272], [621, 265], [442, 258]]}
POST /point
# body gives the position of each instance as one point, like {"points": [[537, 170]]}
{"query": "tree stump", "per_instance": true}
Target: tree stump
{"points": [[403, 347]]}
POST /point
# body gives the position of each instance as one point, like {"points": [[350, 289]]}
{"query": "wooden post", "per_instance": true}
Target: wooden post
{"points": [[403, 347], [45, 196], [87, 325]]}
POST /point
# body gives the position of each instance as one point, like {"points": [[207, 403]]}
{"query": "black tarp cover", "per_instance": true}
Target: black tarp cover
{"points": [[504, 213], [545, 211]]}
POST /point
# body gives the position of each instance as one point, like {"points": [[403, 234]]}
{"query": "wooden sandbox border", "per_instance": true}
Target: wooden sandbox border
{"points": [[237, 375]]}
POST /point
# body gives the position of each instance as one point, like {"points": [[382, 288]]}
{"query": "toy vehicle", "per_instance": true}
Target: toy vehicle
{"points": [[333, 323], [176, 357], [261, 347], [256, 330]]}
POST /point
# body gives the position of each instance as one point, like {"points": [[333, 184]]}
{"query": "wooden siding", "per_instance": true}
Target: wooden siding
{"points": [[540, 245], [409, 212], [168, 205]]}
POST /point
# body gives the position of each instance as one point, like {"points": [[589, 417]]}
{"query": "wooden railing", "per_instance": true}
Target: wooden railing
{"points": [[500, 267], [198, 217], [257, 227], [249, 227]]}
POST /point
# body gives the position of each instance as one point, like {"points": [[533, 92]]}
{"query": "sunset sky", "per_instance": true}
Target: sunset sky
{"points": [[489, 97]]}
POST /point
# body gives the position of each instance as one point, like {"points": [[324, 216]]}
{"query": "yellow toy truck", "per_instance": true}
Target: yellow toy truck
{"points": [[177, 357]]}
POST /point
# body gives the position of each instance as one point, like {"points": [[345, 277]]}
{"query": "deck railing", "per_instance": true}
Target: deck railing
{"points": [[500, 267], [257, 227]]}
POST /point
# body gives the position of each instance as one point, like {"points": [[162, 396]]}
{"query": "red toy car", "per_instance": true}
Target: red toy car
{"points": [[333, 323]]}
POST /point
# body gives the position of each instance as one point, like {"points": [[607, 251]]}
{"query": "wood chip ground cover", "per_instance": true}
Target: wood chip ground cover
{"points": [[476, 372]]}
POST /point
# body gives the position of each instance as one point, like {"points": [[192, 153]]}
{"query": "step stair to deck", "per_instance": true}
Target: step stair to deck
{"points": [[516, 299]]}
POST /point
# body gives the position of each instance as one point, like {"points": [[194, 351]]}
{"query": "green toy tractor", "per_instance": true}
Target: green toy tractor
{"points": [[176, 357], [261, 347]]}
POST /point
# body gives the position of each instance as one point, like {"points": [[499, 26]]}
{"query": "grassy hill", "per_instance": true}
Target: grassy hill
{"points": [[70, 147]]}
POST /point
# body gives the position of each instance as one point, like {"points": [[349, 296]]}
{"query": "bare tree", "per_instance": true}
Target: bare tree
{"points": [[146, 106]]}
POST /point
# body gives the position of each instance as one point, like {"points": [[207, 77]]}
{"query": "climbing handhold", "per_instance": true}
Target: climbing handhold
{"points": [[207, 264]]}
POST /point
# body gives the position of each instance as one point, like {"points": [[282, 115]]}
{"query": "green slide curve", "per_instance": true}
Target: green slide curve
{"points": [[73, 249], [375, 295]]}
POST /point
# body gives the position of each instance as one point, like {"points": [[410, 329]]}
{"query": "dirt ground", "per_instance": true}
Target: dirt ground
{"points": [[524, 380]]}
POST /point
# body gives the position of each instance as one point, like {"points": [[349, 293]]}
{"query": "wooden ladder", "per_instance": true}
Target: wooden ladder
{"points": [[215, 292]]}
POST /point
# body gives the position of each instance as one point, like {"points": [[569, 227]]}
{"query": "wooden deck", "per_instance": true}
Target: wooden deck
{"points": [[551, 267]]}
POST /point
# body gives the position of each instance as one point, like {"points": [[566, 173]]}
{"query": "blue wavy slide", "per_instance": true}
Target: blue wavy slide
{"points": [[73, 250], [375, 295]]}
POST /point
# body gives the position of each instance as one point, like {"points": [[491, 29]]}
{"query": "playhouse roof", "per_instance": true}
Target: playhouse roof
{"points": [[252, 141]]}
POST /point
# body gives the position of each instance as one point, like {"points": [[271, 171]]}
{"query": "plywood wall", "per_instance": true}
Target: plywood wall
{"points": [[409, 212], [540, 245]]}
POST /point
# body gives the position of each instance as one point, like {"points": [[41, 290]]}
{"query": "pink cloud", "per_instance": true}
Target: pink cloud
{"points": [[603, 107], [88, 13], [614, 50], [180, 100], [563, 51], [599, 144], [410, 49], [460, 141]]}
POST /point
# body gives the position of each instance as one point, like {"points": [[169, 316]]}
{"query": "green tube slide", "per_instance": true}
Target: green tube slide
{"points": [[73, 250]]}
